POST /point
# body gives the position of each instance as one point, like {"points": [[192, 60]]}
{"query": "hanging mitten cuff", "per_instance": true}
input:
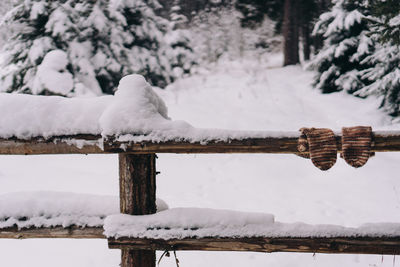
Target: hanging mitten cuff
{"points": [[356, 145], [321, 145]]}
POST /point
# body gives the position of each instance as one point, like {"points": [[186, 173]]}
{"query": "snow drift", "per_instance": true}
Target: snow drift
{"points": [[49, 209], [135, 113], [135, 107]]}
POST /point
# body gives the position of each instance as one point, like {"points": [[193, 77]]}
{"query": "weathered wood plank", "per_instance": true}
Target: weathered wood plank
{"points": [[339, 245], [52, 232], [94, 144], [83, 144], [137, 176]]}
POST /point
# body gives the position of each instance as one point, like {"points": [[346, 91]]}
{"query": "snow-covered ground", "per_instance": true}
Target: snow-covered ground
{"points": [[243, 95]]}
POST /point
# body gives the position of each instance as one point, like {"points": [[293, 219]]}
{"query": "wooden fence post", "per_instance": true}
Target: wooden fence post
{"points": [[137, 185]]}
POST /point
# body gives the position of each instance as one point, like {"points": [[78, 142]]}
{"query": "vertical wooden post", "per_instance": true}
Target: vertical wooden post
{"points": [[137, 186]]}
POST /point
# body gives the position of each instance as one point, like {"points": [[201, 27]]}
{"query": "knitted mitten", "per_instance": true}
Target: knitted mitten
{"points": [[321, 144], [356, 145]]}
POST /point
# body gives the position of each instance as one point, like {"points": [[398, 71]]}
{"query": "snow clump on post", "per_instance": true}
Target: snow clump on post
{"points": [[135, 107]]}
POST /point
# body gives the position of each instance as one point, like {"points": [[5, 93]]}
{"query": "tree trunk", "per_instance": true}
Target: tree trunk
{"points": [[291, 32], [305, 31]]}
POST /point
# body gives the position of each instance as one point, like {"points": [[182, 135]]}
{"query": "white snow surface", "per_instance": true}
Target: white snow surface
{"points": [[197, 223], [27, 116], [250, 94], [48, 209], [134, 108], [187, 222], [52, 74]]}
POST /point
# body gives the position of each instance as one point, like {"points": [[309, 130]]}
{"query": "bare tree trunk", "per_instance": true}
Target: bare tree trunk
{"points": [[305, 32], [291, 33]]}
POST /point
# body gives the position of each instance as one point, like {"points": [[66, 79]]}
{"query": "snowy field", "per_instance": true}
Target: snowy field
{"points": [[241, 95]]}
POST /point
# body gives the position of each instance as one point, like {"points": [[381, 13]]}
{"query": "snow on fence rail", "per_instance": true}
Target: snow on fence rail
{"points": [[134, 120], [207, 141], [134, 123], [137, 197]]}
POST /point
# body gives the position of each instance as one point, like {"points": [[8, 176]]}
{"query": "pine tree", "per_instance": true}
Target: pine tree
{"points": [[346, 46], [384, 73], [295, 19], [5, 6], [385, 20], [254, 11], [216, 33], [384, 77], [181, 57], [102, 41]]}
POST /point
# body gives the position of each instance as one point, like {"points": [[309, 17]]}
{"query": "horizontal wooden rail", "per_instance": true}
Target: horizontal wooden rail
{"points": [[52, 232], [340, 245], [253, 143], [345, 245]]}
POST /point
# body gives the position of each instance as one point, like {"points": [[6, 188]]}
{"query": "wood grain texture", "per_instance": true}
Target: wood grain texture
{"points": [[382, 142], [340, 245], [52, 232], [137, 184], [138, 258]]}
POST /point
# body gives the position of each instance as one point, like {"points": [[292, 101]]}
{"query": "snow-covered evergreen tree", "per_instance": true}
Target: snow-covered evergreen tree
{"points": [[99, 42], [384, 75], [346, 46], [218, 33], [181, 57], [385, 20], [5, 6]]}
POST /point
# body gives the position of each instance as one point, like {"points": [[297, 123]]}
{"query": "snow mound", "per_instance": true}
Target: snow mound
{"points": [[135, 108], [181, 223], [52, 74], [49, 209], [185, 222], [134, 114], [26, 116]]}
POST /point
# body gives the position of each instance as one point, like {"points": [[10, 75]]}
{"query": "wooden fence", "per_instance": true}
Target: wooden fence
{"points": [[137, 177]]}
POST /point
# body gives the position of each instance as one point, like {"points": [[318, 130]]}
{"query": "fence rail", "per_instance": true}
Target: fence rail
{"points": [[137, 173], [52, 232], [340, 245], [337, 245], [95, 144]]}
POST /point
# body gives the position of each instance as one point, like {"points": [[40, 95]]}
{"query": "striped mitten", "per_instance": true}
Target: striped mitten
{"points": [[356, 145], [321, 144]]}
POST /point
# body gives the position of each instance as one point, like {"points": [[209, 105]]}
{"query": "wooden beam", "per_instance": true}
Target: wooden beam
{"points": [[94, 144], [52, 232], [137, 176], [339, 245], [77, 144]]}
